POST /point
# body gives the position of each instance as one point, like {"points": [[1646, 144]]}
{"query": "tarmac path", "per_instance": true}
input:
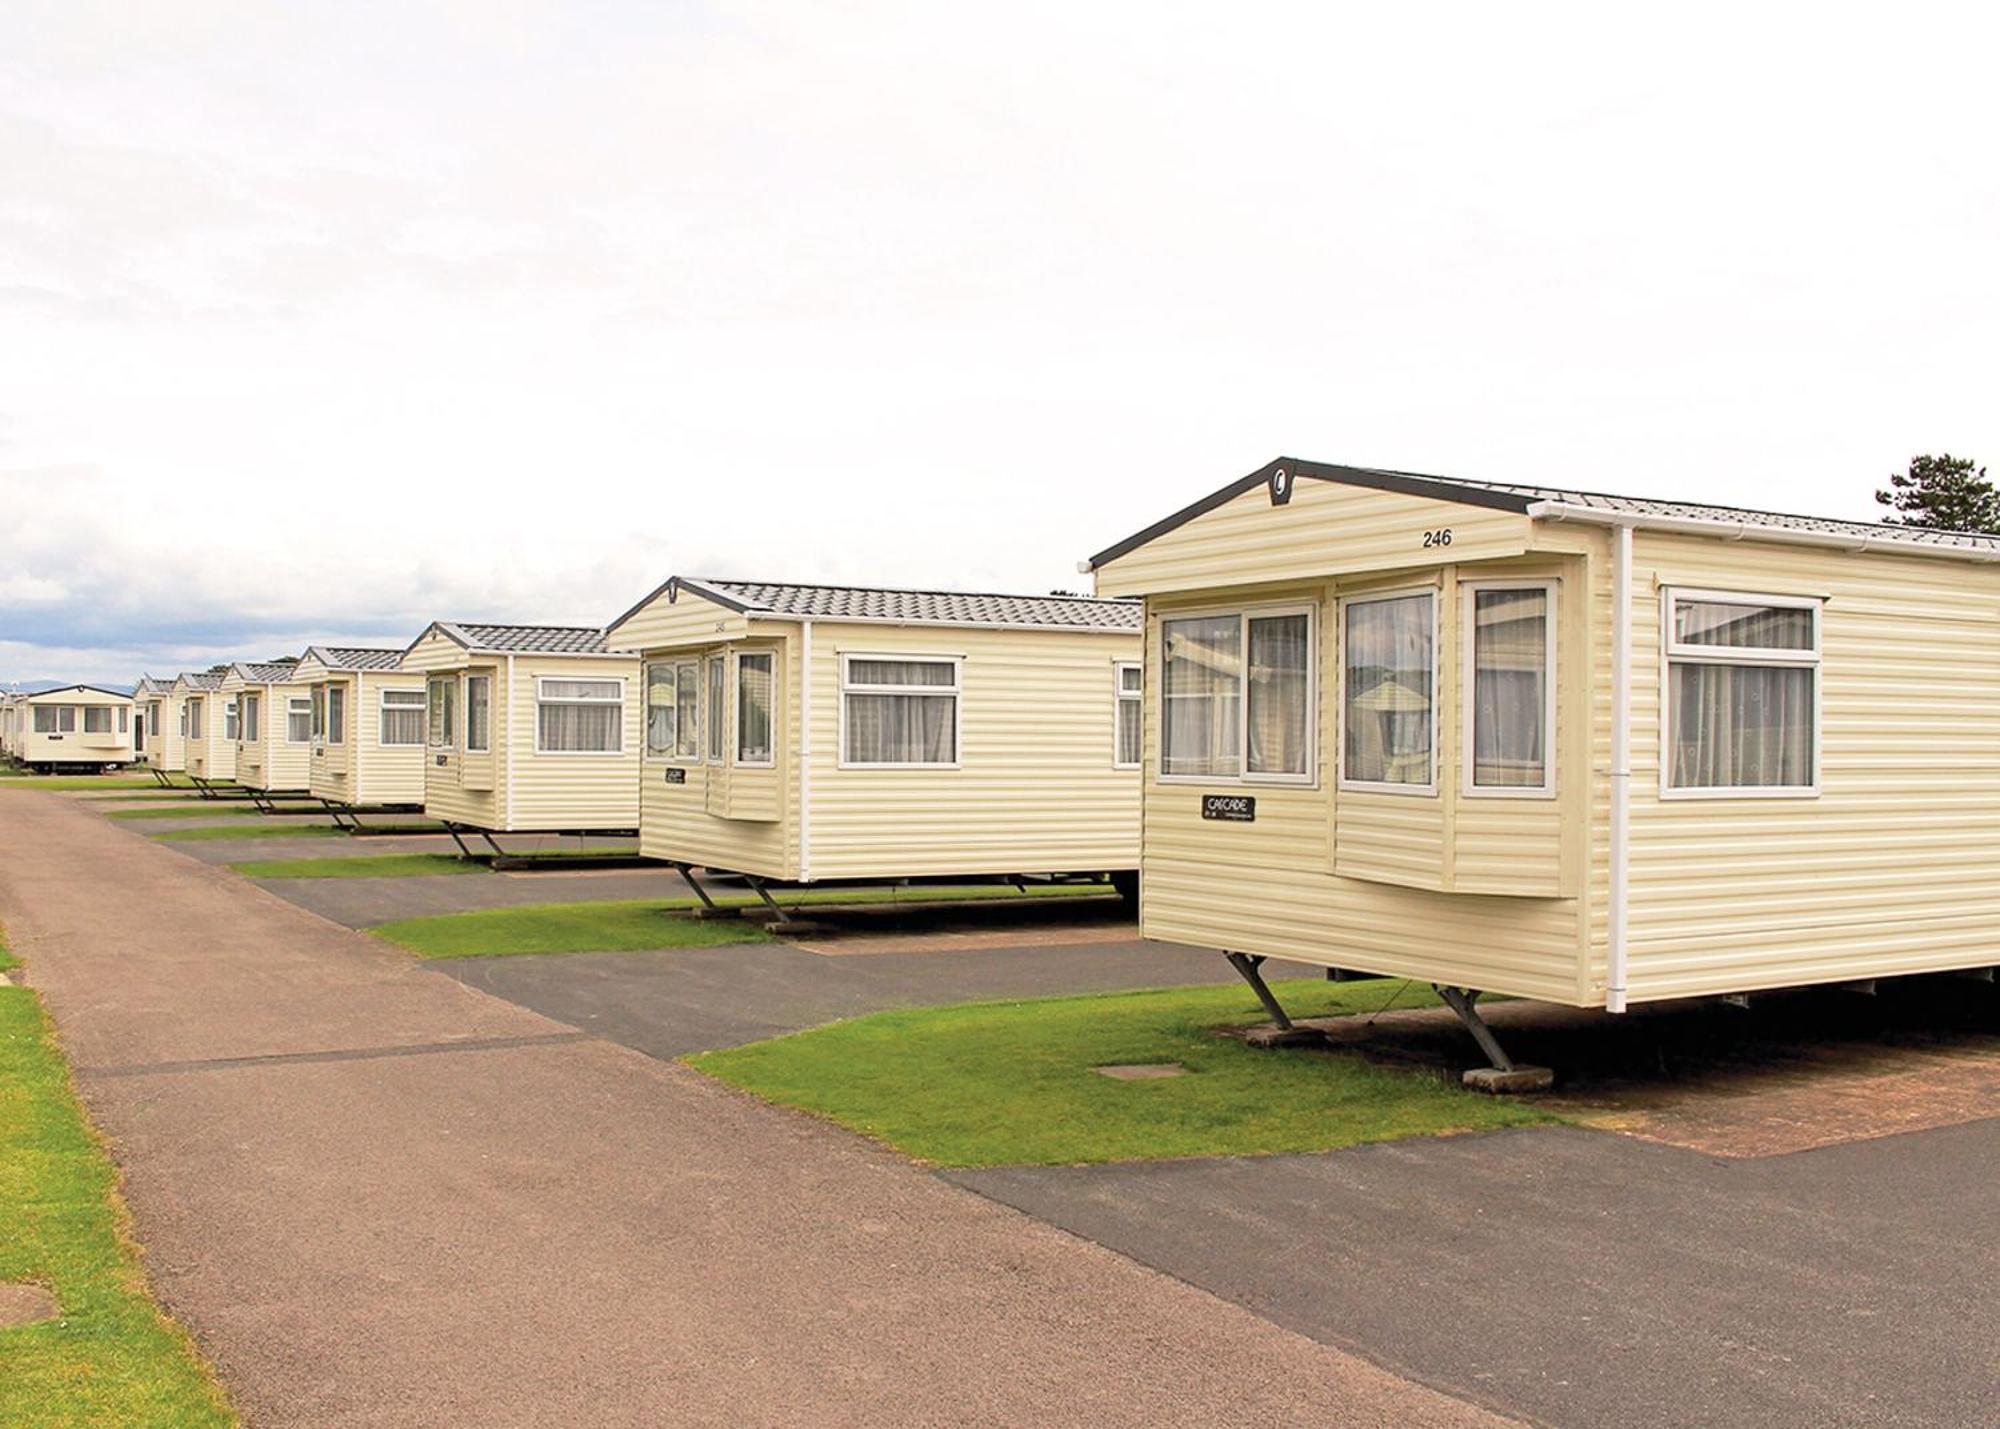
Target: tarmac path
{"points": [[379, 1196]]}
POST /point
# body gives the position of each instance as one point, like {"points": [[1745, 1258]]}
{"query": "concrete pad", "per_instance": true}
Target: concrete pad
{"points": [[1512, 1082], [379, 1197]]}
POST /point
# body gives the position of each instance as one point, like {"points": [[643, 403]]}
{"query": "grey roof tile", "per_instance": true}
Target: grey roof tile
{"points": [[927, 607], [527, 639], [352, 657]]}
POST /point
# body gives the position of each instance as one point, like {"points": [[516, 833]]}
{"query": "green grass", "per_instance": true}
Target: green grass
{"points": [[111, 1357], [252, 831], [390, 865], [194, 810], [1011, 1083], [644, 924]]}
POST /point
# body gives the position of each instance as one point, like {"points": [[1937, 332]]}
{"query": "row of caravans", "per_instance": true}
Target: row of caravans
{"points": [[75, 727], [1522, 740]]}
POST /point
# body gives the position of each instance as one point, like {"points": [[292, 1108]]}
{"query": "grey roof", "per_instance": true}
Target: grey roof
{"points": [[1511, 497], [351, 657], [525, 639], [149, 685], [204, 679], [258, 672], [917, 607]]}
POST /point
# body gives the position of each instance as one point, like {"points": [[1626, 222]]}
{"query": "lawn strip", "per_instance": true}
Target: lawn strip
{"points": [[252, 831], [391, 865], [185, 811], [1012, 1083], [110, 1357], [637, 925]]}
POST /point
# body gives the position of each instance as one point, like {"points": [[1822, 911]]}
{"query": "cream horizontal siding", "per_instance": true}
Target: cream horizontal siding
{"points": [[77, 746], [167, 750], [566, 791], [1325, 529], [686, 620], [1890, 869], [331, 775], [388, 774], [1036, 790]]}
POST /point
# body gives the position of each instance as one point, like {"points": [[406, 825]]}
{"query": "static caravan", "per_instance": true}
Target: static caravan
{"points": [[208, 727], [365, 716], [1587, 749], [78, 725], [804, 732], [10, 714], [156, 735], [273, 752], [528, 728]]}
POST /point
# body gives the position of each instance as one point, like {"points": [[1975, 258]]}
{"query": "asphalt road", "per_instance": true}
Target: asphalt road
{"points": [[1584, 1278]]}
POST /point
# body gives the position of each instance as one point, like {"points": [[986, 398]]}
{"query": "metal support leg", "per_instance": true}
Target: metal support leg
{"points": [[687, 876], [777, 913], [452, 829], [1247, 964], [1461, 1000], [492, 843]]}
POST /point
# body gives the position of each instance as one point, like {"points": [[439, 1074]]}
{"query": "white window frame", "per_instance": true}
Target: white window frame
{"points": [[465, 713], [1261, 610], [1370, 786], [1118, 699], [232, 714], [1673, 651], [1468, 760], [153, 720], [451, 712], [618, 752], [333, 689], [382, 708], [956, 690], [250, 718], [715, 697], [192, 715], [292, 703], [733, 690], [56, 725]]}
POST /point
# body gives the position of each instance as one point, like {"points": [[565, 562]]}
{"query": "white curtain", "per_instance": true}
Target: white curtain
{"points": [[901, 729], [1741, 726], [1129, 715], [1279, 652], [1390, 664], [716, 684], [336, 714], [479, 714], [402, 717], [660, 709], [754, 681], [252, 707], [298, 722], [1753, 627], [1510, 678], [687, 737], [580, 729], [1201, 696]]}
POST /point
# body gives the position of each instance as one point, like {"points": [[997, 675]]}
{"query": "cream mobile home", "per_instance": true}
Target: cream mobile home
{"points": [[208, 727], [273, 750], [805, 732], [10, 716], [76, 726], [365, 715], [1588, 749], [156, 725], [527, 728]]}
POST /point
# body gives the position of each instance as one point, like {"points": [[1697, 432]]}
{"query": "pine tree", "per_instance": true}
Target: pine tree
{"points": [[1943, 493]]}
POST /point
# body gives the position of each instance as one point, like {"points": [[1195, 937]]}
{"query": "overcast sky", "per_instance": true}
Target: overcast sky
{"points": [[323, 321]]}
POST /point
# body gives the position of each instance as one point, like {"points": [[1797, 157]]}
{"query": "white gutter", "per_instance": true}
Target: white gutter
{"points": [[1621, 766], [805, 750], [1752, 531], [491, 711]]}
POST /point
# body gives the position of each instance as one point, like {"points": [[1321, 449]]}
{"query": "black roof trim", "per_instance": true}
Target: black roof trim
{"points": [[1406, 483], [68, 689]]}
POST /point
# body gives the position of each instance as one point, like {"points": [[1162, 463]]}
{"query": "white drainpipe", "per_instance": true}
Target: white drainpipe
{"points": [[805, 750], [1621, 765]]}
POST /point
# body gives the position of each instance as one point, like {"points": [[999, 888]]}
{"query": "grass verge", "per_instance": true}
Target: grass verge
{"points": [[1012, 1083], [252, 831], [194, 810], [646, 924], [388, 865], [111, 1357]]}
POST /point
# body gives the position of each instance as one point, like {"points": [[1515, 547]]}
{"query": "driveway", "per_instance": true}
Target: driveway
{"points": [[379, 1196]]}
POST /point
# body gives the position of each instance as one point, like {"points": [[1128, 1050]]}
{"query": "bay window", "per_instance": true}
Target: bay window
{"points": [[402, 718], [1509, 719], [97, 719], [1742, 694], [55, 719], [298, 720], [478, 714], [673, 709], [898, 712], [1236, 697], [1389, 693], [1128, 686], [756, 687], [579, 716], [717, 681]]}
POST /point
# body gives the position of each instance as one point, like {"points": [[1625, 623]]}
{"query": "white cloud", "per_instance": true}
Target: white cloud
{"points": [[370, 314]]}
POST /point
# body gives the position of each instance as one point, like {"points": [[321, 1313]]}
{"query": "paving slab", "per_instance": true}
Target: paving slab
{"points": [[671, 1003], [1577, 1277], [379, 1196]]}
